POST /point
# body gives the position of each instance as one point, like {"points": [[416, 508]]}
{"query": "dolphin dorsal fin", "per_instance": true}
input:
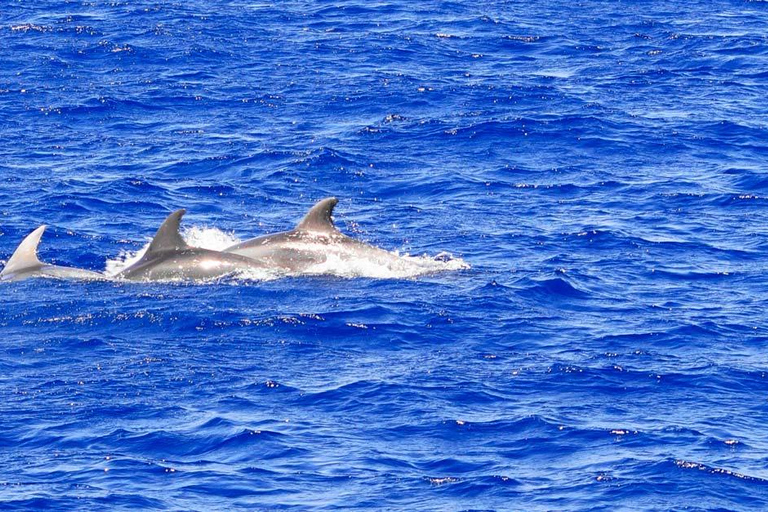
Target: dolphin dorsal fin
{"points": [[25, 255], [168, 237], [318, 219]]}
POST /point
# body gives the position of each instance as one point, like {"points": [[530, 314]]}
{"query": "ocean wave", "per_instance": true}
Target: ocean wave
{"points": [[599, 165]]}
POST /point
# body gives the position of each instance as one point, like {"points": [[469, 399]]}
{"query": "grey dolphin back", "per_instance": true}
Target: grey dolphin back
{"points": [[168, 237], [169, 257], [25, 255], [318, 219]]}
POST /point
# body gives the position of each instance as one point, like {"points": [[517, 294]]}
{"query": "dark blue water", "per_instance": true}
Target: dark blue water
{"points": [[602, 166]]}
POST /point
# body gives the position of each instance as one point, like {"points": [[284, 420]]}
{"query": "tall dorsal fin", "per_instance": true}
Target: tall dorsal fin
{"points": [[318, 218], [168, 237], [25, 255]]}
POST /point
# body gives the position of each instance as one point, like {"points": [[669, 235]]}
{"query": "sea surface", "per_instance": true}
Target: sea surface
{"points": [[585, 187]]}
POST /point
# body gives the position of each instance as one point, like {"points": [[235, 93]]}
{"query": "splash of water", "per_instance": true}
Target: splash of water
{"points": [[343, 262]]}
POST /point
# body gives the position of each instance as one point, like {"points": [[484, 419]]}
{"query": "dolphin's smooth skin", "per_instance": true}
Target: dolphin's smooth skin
{"points": [[170, 258], [24, 263], [313, 240]]}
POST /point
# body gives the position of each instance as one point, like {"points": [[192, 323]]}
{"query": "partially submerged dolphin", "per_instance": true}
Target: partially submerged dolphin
{"points": [[313, 240], [170, 257], [314, 247], [24, 263]]}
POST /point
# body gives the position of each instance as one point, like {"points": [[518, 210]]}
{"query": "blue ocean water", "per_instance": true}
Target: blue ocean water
{"points": [[600, 165]]}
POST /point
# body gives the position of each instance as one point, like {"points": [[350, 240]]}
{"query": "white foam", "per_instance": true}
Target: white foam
{"points": [[123, 260], [209, 238], [347, 262], [341, 261]]}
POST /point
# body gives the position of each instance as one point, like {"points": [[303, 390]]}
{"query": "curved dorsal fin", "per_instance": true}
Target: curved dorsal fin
{"points": [[168, 237], [25, 255], [318, 218]]}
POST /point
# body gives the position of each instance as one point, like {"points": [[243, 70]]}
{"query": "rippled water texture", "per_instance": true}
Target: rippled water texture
{"points": [[600, 165]]}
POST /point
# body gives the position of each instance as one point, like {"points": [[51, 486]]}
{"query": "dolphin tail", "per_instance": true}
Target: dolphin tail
{"points": [[25, 255], [318, 219], [168, 237]]}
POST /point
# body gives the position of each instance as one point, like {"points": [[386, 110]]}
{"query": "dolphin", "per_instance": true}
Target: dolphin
{"points": [[311, 243], [24, 263], [169, 257]]}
